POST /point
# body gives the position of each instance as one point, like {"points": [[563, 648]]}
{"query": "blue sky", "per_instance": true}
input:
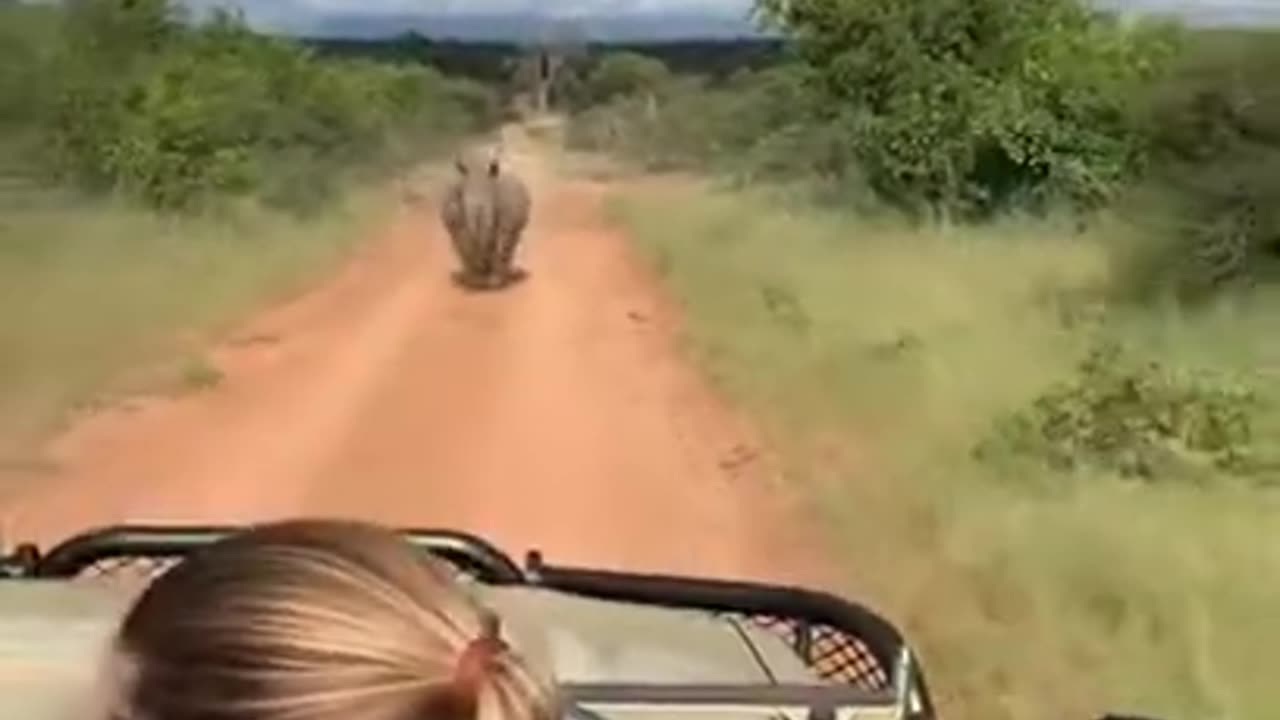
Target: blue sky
{"points": [[389, 15], [439, 7], [566, 7], [569, 7]]}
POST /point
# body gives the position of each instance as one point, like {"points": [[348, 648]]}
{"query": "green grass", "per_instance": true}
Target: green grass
{"points": [[90, 292], [878, 355]]}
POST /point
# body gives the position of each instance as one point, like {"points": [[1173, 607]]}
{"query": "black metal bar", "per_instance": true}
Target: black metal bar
{"points": [[20, 563], [69, 558], [804, 640], [813, 697], [882, 640]]}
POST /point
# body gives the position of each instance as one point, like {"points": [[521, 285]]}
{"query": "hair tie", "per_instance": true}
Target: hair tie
{"points": [[480, 656]]}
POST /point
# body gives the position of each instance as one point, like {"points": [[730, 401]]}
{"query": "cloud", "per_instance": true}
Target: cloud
{"points": [[609, 7], [387, 17], [449, 7], [302, 16]]}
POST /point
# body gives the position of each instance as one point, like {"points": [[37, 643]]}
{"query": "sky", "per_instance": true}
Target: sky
{"points": [[570, 7], [558, 7], [299, 15]]}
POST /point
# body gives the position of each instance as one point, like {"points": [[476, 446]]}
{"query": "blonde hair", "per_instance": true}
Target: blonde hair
{"points": [[317, 620]]}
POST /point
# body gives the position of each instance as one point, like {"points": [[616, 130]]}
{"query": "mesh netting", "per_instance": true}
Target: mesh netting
{"points": [[145, 569], [835, 655], [127, 568]]}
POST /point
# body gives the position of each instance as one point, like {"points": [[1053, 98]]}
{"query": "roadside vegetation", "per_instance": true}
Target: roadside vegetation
{"points": [[158, 177], [1001, 279]]}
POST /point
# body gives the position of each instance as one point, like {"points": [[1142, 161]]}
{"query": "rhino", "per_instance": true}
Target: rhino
{"points": [[485, 210]]}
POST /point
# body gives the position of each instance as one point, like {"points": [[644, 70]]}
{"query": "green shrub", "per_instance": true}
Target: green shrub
{"points": [[179, 116], [754, 126], [974, 106], [625, 74], [1215, 124], [1135, 419]]}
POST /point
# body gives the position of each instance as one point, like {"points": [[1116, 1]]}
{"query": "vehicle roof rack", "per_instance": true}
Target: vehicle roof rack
{"points": [[75, 556]]}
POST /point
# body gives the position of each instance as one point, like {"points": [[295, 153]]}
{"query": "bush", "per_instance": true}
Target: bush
{"points": [[974, 106], [1208, 228], [136, 102], [755, 125], [959, 107], [1215, 124], [1137, 420], [625, 74]]}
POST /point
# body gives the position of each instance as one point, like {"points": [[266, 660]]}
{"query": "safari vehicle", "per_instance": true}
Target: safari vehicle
{"points": [[623, 645]]}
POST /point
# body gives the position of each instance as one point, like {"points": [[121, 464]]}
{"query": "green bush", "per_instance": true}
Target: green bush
{"points": [[1137, 420], [625, 74], [136, 102], [1215, 124], [955, 106], [754, 126], [974, 106], [965, 109]]}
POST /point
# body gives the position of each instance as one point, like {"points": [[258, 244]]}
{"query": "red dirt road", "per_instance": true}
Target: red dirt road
{"points": [[555, 414]]}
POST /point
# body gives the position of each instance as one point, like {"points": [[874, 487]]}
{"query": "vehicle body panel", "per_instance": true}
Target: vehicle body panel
{"points": [[53, 636]]}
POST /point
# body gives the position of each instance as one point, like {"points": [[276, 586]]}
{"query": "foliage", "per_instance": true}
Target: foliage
{"points": [[625, 74], [1137, 597], [964, 105], [1215, 122], [135, 102], [24, 37], [1020, 106], [755, 123], [113, 109], [1139, 420]]}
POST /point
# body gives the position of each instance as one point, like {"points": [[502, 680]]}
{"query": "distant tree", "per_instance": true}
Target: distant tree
{"points": [[412, 45], [626, 74], [114, 31], [976, 104], [551, 64]]}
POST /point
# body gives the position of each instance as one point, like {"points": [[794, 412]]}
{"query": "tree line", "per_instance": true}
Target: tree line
{"points": [[130, 99], [966, 110]]}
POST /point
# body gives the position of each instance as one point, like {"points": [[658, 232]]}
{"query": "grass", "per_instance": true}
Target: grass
{"points": [[92, 291], [878, 355]]}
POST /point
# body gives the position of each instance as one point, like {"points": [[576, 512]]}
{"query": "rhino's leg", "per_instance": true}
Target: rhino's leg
{"points": [[484, 254], [475, 262], [507, 252], [461, 237], [481, 260], [512, 234], [473, 267], [460, 250]]}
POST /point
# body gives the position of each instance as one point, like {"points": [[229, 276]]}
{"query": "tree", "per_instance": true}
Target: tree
{"points": [[542, 68], [626, 74], [973, 105], [116, 31]]}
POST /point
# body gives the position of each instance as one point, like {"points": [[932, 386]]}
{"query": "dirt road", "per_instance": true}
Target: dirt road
{"points": [[557, 414]]}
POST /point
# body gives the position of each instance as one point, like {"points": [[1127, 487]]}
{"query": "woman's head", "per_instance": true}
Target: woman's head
{"points": [[317, 620]]}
